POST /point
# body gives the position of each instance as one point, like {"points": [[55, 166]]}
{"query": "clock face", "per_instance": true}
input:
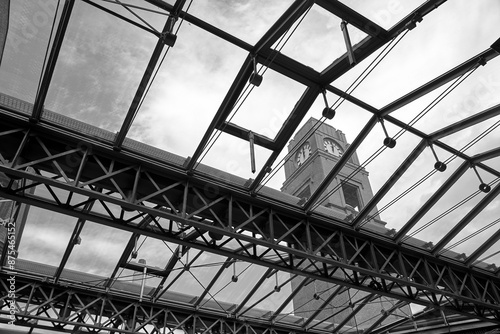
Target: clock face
{"points": [[332, 147], [303, 153]]}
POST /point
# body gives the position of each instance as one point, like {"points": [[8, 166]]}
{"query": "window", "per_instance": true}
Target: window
{"points": [[305, 193], [351, 196]]}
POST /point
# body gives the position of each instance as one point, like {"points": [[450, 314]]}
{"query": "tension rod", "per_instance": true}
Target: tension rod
{"points": [[251, 140], [347, 39]]}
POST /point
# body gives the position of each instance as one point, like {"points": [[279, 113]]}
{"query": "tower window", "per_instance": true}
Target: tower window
{"points": [[351, 196], [305, 193]]}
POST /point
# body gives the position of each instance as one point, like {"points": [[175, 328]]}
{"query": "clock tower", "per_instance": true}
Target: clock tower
{"points": [[313, 160]]}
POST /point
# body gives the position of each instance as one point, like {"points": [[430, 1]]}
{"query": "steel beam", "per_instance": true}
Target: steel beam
{"points": [[146, 78], [431, 202], [466, 220], [242, 133], [203, 25], [371, 44], [224, 110], [354, 18], [121, 17], [51, 61], [365, 211], [367, 299], [439, 81], [483, 248], [283, 24], [465, 123], [71, 244], [493, 153]]}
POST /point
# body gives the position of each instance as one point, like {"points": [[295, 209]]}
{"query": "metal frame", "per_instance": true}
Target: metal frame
{"points": [[303, 240], [328, 245]]}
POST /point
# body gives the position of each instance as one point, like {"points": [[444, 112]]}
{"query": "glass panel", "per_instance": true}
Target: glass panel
{"points": [[318, 39], [99, 249], [30, 24], [412, 190], [97, 73], [491, 256], [45, 238], [448, 211], [478, 230], [417, 59], [265, 108], [187, 92], [247, 20]]}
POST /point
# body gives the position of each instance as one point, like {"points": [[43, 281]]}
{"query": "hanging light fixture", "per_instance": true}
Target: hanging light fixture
{"points": [[255, 79], [327, 112], [439, 166], [388, 141], [484, 187]]}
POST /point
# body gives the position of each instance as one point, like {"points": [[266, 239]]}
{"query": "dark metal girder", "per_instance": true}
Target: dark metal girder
{"points": [[466, 220], [290, 297], [284, 23], [242, 133], [493, 153], [51, 61], [170, 238], [320, 309], [431, 202], [465, 123], [289, 67], [71, 244], [384, 316], [203, 25], [340, 164], [370, 44], [439, 81], [354, 18], [143, 85], [367, 299], [121, 17], [365, 211], [217, 275], [483, 248], [253, 291], [224, 110]]}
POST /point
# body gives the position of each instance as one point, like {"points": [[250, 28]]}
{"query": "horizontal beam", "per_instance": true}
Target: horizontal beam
{"points": [[465, 123], [439, 81], [242, 133]]}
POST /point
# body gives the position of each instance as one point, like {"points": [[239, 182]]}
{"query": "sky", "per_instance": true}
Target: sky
{"points": [[102, 59]]}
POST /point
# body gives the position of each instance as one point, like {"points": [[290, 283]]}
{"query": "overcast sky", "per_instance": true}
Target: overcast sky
{"points": [[102, 60]]}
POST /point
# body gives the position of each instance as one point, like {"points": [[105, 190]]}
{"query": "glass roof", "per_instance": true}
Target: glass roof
{"points": [[194, 115]]}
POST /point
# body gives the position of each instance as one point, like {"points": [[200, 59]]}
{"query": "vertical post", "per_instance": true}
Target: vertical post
{"points": [[144, 272], [251, 139], [347, 39]]}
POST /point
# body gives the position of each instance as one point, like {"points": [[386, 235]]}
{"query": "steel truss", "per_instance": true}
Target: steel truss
{"points": [[73, 310], [213, 215]]}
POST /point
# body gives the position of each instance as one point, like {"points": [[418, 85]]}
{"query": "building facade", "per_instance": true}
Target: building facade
{"points": [[313, 156]]}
